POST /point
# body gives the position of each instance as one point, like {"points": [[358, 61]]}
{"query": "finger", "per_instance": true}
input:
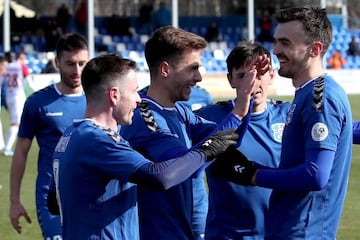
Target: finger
{"points": [[231, 142], [16, 225], [27, 218], [225, 132], [232, 136]]}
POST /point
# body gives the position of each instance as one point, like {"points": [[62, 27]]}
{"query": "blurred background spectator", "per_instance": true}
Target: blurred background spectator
{"points": [[145, 18], [162, 16], [354, 49], [336, 61], [213, 33], [63, 17]]}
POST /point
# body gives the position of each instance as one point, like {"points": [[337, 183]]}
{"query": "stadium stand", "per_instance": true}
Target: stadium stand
{"points": [[213, 57]]}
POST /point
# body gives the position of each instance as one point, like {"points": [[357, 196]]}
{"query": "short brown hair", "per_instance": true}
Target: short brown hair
{"points": [[167, 43]]}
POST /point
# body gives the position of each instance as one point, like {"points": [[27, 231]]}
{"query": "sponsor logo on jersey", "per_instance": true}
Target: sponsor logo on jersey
{"points": [[54, 114], [94, 237], [277, 129], [319, 132]]}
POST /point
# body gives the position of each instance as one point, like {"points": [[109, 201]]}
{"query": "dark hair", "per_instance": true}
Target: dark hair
{"points": [[316, 24], [103, 72], [71, 42], [167, 43], [10, 56], [244, 54], [19, 53]]}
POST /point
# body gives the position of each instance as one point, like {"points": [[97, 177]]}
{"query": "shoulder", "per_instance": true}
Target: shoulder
{"points": [[144, 121], [217, 109], [280, 107], [278, 103], [43, 93]]}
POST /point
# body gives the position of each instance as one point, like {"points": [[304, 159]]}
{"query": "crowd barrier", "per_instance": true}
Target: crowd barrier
{"points": [[217, 84]]}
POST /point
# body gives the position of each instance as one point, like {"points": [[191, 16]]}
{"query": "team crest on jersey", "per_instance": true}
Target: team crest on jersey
{"points": [[290, 114], [319, 132], [277, 129], [94, 237]]}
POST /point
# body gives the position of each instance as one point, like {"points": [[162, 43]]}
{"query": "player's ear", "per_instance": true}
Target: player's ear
{"points": [[57, 62], [316, 49], [164, 69], [114, 95]]}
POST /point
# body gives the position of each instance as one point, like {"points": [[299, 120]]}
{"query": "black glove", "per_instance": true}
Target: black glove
{"points": [[233, 166], [218, 143], [52, 203]]}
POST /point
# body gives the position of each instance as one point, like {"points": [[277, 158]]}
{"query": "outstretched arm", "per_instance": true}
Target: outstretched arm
{"points": [[16, 174]]}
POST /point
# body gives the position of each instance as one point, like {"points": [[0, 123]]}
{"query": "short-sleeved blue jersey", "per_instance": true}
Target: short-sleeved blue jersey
{"points": [[235, 211], [319, 118], [46, 115], [162, 133], [96, 199]]}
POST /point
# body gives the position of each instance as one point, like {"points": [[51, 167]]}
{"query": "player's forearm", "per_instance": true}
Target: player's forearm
{"points": [[313, 175], [241, 107], [166, 174], [16, 176]]}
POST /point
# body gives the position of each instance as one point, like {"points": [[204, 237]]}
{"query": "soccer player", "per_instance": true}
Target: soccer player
{"points": [[15, 79], [164, 128], [95, 168], [310, 184], [46, 115], [238, 212], [199, 97], [3, 67]]}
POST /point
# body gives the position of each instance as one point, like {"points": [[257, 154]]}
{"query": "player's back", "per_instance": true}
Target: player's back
{"points": [[14, 80]]}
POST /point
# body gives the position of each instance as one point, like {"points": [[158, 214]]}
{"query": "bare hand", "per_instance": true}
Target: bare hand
{"points": [[263, 64], [249, 83], [16, 211]]}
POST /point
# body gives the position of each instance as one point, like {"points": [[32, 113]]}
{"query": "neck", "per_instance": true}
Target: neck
{"points": [[160, 96], [101, 118], [68, 90], [298, 81]]}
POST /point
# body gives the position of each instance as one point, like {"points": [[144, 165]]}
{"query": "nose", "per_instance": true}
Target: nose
{"points": [[276, 48], [198, 77], [138, 98]]}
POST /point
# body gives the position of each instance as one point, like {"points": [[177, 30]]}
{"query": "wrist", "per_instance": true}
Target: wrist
{"points": [[241, 107]]}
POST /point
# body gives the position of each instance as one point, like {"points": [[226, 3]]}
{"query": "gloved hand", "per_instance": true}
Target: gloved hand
{"points": [[233, 166], [218, 143]]}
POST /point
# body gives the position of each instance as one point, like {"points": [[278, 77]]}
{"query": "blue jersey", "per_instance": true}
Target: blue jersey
{"points": [[235, 211], [96, 199], [199, 98], [46, 115], [319, 118], [160, 134], [356, 132]]}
